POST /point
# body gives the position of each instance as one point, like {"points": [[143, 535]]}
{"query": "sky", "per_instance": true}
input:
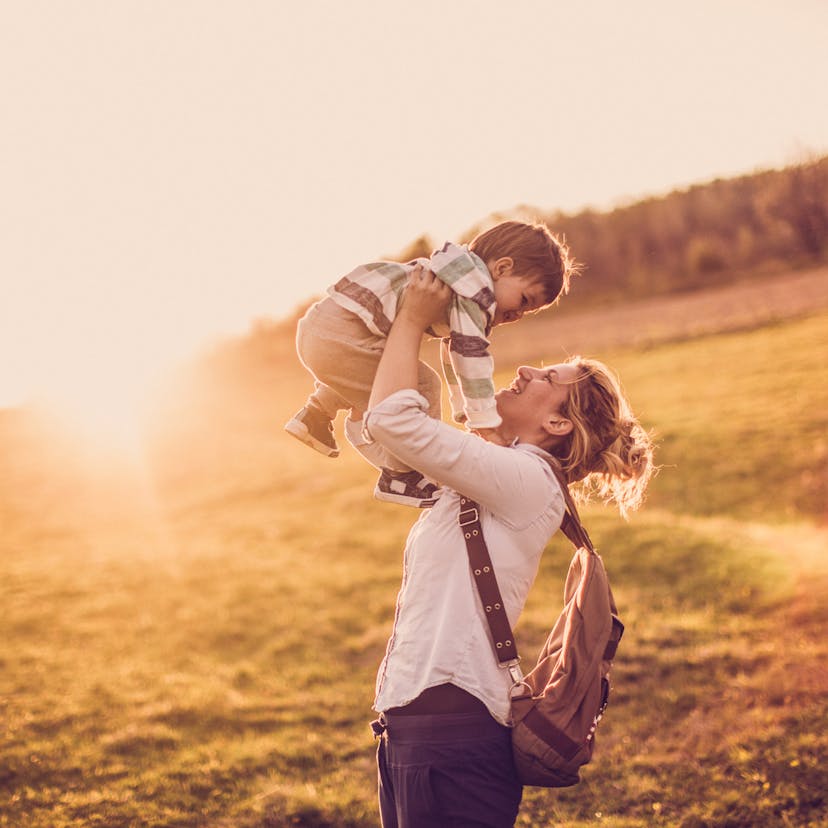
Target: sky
{"points": [[171, 171]]}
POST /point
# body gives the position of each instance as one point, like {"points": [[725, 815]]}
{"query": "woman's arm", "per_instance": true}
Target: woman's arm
{"points": [[513, 484], [424, 303]]}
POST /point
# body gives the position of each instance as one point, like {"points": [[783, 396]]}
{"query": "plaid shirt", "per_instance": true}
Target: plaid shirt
{"points": [[373, 292]]}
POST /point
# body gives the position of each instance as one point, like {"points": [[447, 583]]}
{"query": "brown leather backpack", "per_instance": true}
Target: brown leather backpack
{"points": [[557, 706]]}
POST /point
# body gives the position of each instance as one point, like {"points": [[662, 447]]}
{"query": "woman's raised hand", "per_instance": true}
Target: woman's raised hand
{"points": [[426, 298], [424, 303]]}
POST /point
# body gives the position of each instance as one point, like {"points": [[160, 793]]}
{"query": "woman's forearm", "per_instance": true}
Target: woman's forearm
{"points": [[398, 367], [424, 302]]}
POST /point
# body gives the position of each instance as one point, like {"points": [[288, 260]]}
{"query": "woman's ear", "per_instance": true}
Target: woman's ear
{"points": [[556, 426]]}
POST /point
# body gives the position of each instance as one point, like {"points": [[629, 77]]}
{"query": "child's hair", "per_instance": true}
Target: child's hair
{"points": [[607, 452], [534, 250]]}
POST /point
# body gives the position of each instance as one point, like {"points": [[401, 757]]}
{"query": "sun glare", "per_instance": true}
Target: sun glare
{"points": [[103, 386], [104, 412]]}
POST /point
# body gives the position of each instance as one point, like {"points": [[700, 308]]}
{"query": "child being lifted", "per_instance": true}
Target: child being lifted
{"points": [[505, 272]]}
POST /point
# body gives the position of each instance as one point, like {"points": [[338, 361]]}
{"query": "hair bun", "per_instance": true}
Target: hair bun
{"points": [[609, 451]]}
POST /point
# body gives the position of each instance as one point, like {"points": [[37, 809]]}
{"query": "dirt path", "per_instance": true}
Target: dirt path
{"points": [[651, 321]]}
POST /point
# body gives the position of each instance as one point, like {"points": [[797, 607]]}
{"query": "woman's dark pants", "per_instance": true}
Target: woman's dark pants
{"points": [[443, 770]]}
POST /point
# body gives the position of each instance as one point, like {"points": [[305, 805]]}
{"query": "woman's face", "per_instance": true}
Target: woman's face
{"points": [[534, 397]]}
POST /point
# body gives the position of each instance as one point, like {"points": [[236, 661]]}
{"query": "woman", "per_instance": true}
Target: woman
{"points": [[445, 753]]}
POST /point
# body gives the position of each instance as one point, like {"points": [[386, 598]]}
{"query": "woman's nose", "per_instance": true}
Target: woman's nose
{"points": [[526, 372]]}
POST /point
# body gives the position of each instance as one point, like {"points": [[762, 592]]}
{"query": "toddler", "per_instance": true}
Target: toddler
{"points": [[512, 269]]}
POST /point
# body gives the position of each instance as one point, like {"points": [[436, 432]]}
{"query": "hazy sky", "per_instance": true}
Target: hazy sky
{"points": [[171, 170]]}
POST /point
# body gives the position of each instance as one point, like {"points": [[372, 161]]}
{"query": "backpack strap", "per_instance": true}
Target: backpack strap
{"points": [[571, 524], [503, 640], [572, 527], [482, 569]]}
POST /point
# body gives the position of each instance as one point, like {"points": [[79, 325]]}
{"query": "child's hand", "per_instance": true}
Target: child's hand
{"points": [[426, 298]]}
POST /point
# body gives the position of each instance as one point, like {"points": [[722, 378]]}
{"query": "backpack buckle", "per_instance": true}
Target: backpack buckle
{"points": [[515, 672], [474, 517], [520, 687]]}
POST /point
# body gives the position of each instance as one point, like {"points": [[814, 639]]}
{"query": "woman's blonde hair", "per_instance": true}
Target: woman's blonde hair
{"points": [[608, 451]]}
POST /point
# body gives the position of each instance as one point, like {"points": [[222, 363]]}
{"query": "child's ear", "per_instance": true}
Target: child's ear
{"points": [[501, 267]]}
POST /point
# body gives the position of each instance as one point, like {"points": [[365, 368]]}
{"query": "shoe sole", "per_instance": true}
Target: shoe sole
{"points": [[301, 433], [402, 500]]}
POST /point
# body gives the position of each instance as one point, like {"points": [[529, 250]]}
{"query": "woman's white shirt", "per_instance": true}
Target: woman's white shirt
{"points": [[440, 631]]}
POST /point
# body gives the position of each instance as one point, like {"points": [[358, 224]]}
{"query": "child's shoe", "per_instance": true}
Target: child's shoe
{"points": [[407, 488], [314, 429]]}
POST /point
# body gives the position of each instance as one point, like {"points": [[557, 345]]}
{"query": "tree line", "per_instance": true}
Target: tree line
{"points": [[707, 234]]}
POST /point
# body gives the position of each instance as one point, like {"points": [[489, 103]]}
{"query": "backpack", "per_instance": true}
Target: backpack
{"points": [[557, 706]]}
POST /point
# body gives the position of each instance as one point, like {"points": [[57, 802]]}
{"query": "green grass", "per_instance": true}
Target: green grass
{"points": [[741, 419], [198, 647]]}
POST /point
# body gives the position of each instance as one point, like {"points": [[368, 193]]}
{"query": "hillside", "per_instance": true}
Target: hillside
{"points": [[710, 234], [191, 638], [648, 322], [267, 355], [191, 635], [713, 233]]}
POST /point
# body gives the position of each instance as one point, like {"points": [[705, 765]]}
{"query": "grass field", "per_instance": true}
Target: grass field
{"points": [[192, 640]]}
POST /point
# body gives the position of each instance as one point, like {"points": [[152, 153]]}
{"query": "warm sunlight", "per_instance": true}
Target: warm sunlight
{"points": [[168, 194], [200, 615], [103, 409]]}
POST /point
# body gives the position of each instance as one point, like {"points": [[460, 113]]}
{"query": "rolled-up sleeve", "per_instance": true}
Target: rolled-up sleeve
{"points": [[515, 485]]}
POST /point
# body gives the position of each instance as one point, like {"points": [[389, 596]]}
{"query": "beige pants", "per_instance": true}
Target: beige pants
{"points": [[336, 346]]}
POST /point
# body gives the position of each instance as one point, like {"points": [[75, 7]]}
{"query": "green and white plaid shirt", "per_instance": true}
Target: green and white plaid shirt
{"points": [[373, 292]]}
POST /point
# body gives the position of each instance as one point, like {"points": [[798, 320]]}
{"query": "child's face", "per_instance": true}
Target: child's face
{"points": [[516, 295]]}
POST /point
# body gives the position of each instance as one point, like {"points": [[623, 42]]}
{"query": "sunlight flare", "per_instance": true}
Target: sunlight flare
{"points": [[103, 408]]}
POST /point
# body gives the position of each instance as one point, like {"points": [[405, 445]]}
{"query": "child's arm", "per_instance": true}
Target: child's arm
{"points": [[472, 363], [456, 399], [467, 365]]}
